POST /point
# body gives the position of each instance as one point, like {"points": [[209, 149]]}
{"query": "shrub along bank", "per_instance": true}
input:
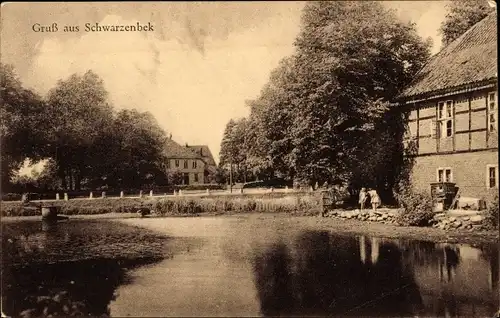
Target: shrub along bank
{"points": [[415, 209], [303, 202]]}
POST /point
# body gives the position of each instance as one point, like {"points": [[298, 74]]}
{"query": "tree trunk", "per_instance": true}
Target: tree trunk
{"points": [[78, 180], [71, 183], [62, 176]]}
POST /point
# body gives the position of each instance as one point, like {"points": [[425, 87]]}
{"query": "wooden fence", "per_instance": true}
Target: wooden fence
{"points": [[92, 195]]}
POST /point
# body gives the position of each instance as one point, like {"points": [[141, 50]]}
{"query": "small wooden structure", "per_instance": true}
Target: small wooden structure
{"points": [[443, 195]]}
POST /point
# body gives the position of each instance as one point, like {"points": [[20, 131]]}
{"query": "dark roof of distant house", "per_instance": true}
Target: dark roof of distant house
{"points": [[467, 62], [174, 150], [204, 152]]}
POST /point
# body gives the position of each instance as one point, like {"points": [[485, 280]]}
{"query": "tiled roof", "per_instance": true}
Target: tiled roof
{"points": [[174, 150], [205, 153], [469, 60]]}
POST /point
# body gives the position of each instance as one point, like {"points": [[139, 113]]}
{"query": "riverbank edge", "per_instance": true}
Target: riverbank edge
{"points": [[333, 225], [307, 202]]}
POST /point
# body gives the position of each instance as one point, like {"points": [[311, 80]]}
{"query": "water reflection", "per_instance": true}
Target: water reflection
{"points": [[69, 268], [323, 274], [319, 274], [238, 267]]}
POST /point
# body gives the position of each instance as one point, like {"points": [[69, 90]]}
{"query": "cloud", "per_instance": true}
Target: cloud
{"points": [[192, 83], [193, 73]]}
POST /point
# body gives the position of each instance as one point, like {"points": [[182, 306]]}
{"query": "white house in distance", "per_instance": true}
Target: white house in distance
{"points": [[195, 163]]}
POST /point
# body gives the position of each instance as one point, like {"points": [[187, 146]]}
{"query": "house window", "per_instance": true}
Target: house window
{"points": [[492, 112], [177, 163], [185, 164], [195, 177], [444, 175], [195, 164], [492, 176], [445, 117]]}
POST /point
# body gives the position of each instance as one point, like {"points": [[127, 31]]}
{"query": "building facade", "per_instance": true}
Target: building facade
{"points": [[452, 110], [189, 165]]}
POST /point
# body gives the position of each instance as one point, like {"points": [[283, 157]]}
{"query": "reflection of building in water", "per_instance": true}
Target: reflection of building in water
{"points": [[453, 279], [440, 263]]}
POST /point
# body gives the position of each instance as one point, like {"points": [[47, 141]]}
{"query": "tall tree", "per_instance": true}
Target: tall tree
{"points": [[233, 148], [325, 111], [349, 69], [23, 124], [228, 149], [79, 114], [461, 16], [135, 151], [271, 119]]}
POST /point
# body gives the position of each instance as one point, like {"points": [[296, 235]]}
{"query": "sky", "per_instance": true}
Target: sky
{"points": [[193, 73]]}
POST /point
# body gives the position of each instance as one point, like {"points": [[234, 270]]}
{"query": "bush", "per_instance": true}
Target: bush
{"points": [[303, 203], [11, 197], [415, 208], [491, 215]]}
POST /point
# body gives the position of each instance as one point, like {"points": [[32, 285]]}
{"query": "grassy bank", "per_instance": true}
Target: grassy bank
{"points": [[306, 203]]}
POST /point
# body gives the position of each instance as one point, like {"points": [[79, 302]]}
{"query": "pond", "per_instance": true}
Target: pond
{"points": [[237, 266]]}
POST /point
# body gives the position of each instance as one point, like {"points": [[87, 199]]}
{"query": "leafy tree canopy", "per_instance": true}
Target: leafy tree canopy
{"points": [[461, 16]]}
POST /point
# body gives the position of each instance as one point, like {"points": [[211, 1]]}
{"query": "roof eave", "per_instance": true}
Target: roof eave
{"points": [[447, 91]]}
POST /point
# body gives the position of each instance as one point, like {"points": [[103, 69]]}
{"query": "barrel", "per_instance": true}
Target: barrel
{"points": [[49, 212]]}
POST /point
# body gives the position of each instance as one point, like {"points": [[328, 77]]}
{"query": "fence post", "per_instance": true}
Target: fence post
{"points": [[103, 195], [140, 194], [121, 194], [241, 190], [180, 192], [90, 195], [151, 193], [208, 191], [66, 197], [57, 196]]}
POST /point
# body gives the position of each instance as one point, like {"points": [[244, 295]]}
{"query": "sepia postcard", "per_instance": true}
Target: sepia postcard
{"points": [[253, 158]]}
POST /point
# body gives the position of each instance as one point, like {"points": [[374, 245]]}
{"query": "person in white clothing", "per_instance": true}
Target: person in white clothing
{"points": [[374, 198]]}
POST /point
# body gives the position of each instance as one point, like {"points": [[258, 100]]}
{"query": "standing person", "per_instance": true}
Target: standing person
{"points": [[362, 198], [374, 198]]}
